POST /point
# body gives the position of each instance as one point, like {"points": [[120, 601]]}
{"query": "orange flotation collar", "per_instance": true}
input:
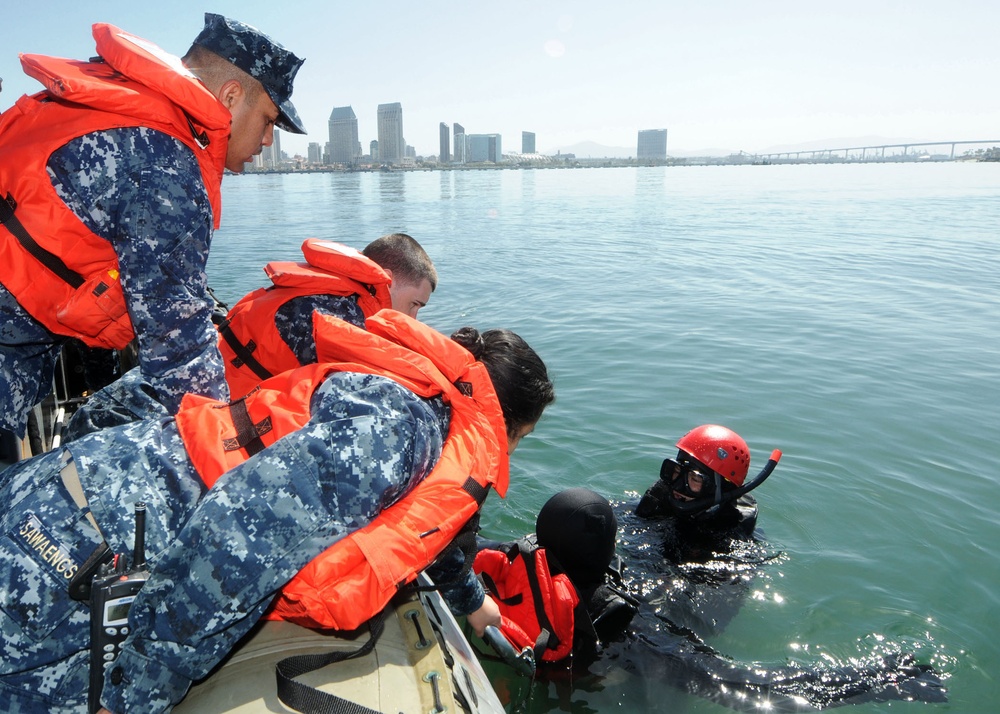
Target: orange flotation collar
{"points": [[538, 609], [355, 578], [251, 345]]}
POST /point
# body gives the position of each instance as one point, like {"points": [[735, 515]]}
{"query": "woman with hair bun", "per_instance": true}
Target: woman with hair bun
{"points": [[518, 375], [272, 504]]}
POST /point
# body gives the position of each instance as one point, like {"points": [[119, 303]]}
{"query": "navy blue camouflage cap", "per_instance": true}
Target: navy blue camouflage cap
{"points": [[259, 56]]}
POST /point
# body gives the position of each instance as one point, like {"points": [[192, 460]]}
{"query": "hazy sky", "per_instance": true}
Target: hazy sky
{"points": [[747, 75]]}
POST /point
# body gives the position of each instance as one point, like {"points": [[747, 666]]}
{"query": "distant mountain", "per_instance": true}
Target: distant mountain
{"points": [[593, 150]]}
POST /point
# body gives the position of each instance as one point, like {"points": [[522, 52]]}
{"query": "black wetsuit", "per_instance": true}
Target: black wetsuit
{"points": [[651, 616]]}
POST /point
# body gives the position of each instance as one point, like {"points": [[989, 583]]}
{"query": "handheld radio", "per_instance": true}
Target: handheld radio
{"points": [[115, 587]]}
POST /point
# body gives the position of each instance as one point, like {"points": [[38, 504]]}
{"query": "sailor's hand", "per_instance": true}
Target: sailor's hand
{"points": [[488, 614]]}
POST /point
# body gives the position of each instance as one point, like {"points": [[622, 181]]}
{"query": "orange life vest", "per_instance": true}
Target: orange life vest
{"points": [[537, 609], [354, 579], [250, 344], [68, 280]]}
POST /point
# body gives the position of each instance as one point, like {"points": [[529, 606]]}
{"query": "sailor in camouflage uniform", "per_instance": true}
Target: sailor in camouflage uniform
{"points": [[145, 192], [413, 276], [217, 556]]}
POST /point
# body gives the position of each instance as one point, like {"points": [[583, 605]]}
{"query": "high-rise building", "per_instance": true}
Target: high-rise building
{"points": [[458, 134], [527, 142], [391, 145], [267, 157], [263, 159], [483, 147], [276, 157], [373, 150], [445, 152], [652, 145], [315, 155], [343, 136], [270, 156]]}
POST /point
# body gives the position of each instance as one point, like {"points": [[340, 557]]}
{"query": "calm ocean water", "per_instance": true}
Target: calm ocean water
{"points": [[845, 314]]}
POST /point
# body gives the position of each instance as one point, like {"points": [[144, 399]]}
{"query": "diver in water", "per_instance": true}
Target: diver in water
{"points": [[566, 595], [702, 515], [705, 486]]}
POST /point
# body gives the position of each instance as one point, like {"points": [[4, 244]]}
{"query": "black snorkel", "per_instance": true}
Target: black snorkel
{"points": [[711, 503]]}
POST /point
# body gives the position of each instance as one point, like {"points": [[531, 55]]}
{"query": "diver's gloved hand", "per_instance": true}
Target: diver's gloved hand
{"points": [[653, 502], [917, 682], [890, 677]]}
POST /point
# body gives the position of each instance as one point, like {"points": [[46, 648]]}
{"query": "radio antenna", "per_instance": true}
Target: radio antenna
{"points": [[139, 550]]}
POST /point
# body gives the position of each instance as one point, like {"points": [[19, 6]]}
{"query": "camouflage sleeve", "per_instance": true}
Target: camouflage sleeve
{"points": [[143, 191], [367, 442], [294, 320], [461, 590]]}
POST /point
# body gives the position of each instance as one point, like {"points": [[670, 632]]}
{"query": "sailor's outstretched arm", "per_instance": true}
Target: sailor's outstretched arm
{"points": [[260, 524]]}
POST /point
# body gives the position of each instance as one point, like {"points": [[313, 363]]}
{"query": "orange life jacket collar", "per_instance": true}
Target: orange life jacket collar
{"points": [[537, 609], [251, 346]]}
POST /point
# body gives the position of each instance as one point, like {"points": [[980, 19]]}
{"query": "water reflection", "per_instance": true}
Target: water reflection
{"points": [[392, 186], [447, 185]]}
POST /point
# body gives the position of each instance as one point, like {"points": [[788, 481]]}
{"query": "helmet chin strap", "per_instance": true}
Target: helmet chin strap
{"points": [[709, 504]]}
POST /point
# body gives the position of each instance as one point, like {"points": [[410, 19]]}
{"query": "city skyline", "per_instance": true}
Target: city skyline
{"points": [[722, 75]]}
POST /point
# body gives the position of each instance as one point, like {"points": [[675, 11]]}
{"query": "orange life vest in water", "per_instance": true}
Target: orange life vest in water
{"points": [[357, 576], [538, 609], [64, 275], [250, 343]]}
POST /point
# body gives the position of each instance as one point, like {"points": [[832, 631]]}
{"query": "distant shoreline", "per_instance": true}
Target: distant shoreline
{"points": [[565, 162]]}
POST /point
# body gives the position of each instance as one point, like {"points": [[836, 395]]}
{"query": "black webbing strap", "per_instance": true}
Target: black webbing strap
{"points": [[244, 352], [200, 136], [309, 700], [547, 638], [50, 260], [247, 433], [80, 585], [476, 490]]}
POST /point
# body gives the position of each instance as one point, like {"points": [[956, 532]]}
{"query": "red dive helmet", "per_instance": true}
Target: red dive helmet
{"points": [[721, 449]]}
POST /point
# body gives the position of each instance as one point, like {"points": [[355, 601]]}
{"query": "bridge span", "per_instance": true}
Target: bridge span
{"points": [[898, 152]]}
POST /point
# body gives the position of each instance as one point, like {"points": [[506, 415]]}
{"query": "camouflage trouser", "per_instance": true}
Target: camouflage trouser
{"points": [[44, 539], [28, 355], [124, 401]]}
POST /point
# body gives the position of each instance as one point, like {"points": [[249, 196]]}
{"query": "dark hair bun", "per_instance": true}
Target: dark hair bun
{"points": [[470, 339]]}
